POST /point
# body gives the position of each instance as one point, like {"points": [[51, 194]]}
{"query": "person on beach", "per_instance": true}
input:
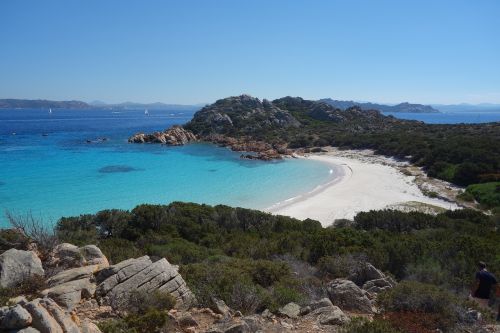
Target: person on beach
{"points": [[483, 290]]}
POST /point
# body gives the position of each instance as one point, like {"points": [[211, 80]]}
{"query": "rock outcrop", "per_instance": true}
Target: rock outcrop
{"points": [[69, 256], [371, 279], [41, 315], [18, 265], [174, 136], [117, 282], [347, 295]]}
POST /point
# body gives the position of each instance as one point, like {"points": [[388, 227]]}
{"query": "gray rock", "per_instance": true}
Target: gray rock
{"points": [[332, 315], [324, 302], [220, 307], [291, 310], [89, 327], [42, 319], [15, 318], [117, 282], [68, 256], [266, 314], [365, 272], [28, 330], [348, 296], [70, 293], [254, 323], [94, 256], [62, 318], [305, 310], [78, 273], [378, 285], [17, 266], [241, 327]]}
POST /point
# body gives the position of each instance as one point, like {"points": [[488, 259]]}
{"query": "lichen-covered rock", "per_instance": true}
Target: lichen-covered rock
{"points": [[291, 310], [117, 282], [348, 296], [18, 265], [62, 318]]}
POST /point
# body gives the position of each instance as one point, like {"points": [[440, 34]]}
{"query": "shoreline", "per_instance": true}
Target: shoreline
{"points": [[367, 182]]}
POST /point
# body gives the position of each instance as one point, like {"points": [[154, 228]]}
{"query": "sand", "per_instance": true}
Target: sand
{"points": [[365, 182]]}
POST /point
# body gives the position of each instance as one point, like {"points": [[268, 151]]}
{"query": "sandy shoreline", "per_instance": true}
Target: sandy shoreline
{"points": [[365, 182]]}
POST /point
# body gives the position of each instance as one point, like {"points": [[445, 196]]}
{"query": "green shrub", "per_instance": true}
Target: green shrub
{"points": [[416, 297], [141, 302], [153, 321], [359, 325], [487, 194], [30, 287]]}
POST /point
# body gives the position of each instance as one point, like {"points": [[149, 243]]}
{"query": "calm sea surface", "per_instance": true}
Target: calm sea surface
{"points": [[450, 117], [49, 169]]}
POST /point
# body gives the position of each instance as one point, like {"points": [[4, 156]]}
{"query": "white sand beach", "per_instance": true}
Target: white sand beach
{"points": [[365, 182]]}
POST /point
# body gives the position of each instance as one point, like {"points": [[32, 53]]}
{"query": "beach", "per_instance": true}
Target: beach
{"points": [[365, 182]]}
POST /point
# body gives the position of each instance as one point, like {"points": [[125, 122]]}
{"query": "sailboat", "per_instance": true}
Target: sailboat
{"points": [[50, 111], [146, 112]]}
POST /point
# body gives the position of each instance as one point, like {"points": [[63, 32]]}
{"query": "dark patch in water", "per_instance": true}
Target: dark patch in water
{"points": [[118, 169], [2, 183], [212, 170]]}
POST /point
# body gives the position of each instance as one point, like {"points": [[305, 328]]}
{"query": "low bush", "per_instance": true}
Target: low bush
{"points": [[416, 297], [359, 325], [154, 321], [30, 288]]}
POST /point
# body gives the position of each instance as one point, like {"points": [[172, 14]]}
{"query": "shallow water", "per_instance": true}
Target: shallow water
{"points": [[49, 169]]}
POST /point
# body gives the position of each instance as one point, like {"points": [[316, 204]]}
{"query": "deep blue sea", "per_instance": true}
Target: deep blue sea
{"points": [[450, 117], [48, 168]]}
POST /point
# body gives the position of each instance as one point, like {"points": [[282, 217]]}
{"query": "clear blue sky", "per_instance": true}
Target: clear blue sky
{"points": [[187, 51]]}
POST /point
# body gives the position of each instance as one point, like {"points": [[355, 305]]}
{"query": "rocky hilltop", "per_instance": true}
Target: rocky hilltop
{"points": [[262, 129]]}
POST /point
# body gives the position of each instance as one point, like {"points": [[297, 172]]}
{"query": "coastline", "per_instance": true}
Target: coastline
{"points": [[366, 182]]}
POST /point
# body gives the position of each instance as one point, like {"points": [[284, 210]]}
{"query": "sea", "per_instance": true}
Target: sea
{"points": [[72, 162]]}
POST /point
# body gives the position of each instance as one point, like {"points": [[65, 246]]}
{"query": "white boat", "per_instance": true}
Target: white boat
{"points": [[50, 111], [146, 112]]}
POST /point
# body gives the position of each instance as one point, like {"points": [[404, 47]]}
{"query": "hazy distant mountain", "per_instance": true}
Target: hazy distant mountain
{"points": [[41, 104], [46, 104], [149, 106], [464, 107], [402, 107]]}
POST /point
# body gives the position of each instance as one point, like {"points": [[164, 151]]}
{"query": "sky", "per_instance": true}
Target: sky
{"points": [[197, 51]]}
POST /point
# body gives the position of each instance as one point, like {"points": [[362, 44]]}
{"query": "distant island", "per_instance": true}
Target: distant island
{"points": [[79, 105], [401, 107], [461, 154]]}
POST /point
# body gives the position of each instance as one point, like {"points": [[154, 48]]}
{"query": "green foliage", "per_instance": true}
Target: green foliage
{"points": [[30, 288], [416, 297], [360, 325], [141, 302], [487, 194], [152, 321], [246, 285]]}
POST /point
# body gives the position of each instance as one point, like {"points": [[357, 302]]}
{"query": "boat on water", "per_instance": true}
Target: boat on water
{"points": [[146, 112], [50, 111]]}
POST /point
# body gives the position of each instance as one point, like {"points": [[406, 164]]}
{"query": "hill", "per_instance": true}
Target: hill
{"points": [[463, 154], [41, 104], [402, 107]]}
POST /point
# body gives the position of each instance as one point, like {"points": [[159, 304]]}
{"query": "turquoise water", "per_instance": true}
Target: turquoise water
{"points": [[49, 169]]}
